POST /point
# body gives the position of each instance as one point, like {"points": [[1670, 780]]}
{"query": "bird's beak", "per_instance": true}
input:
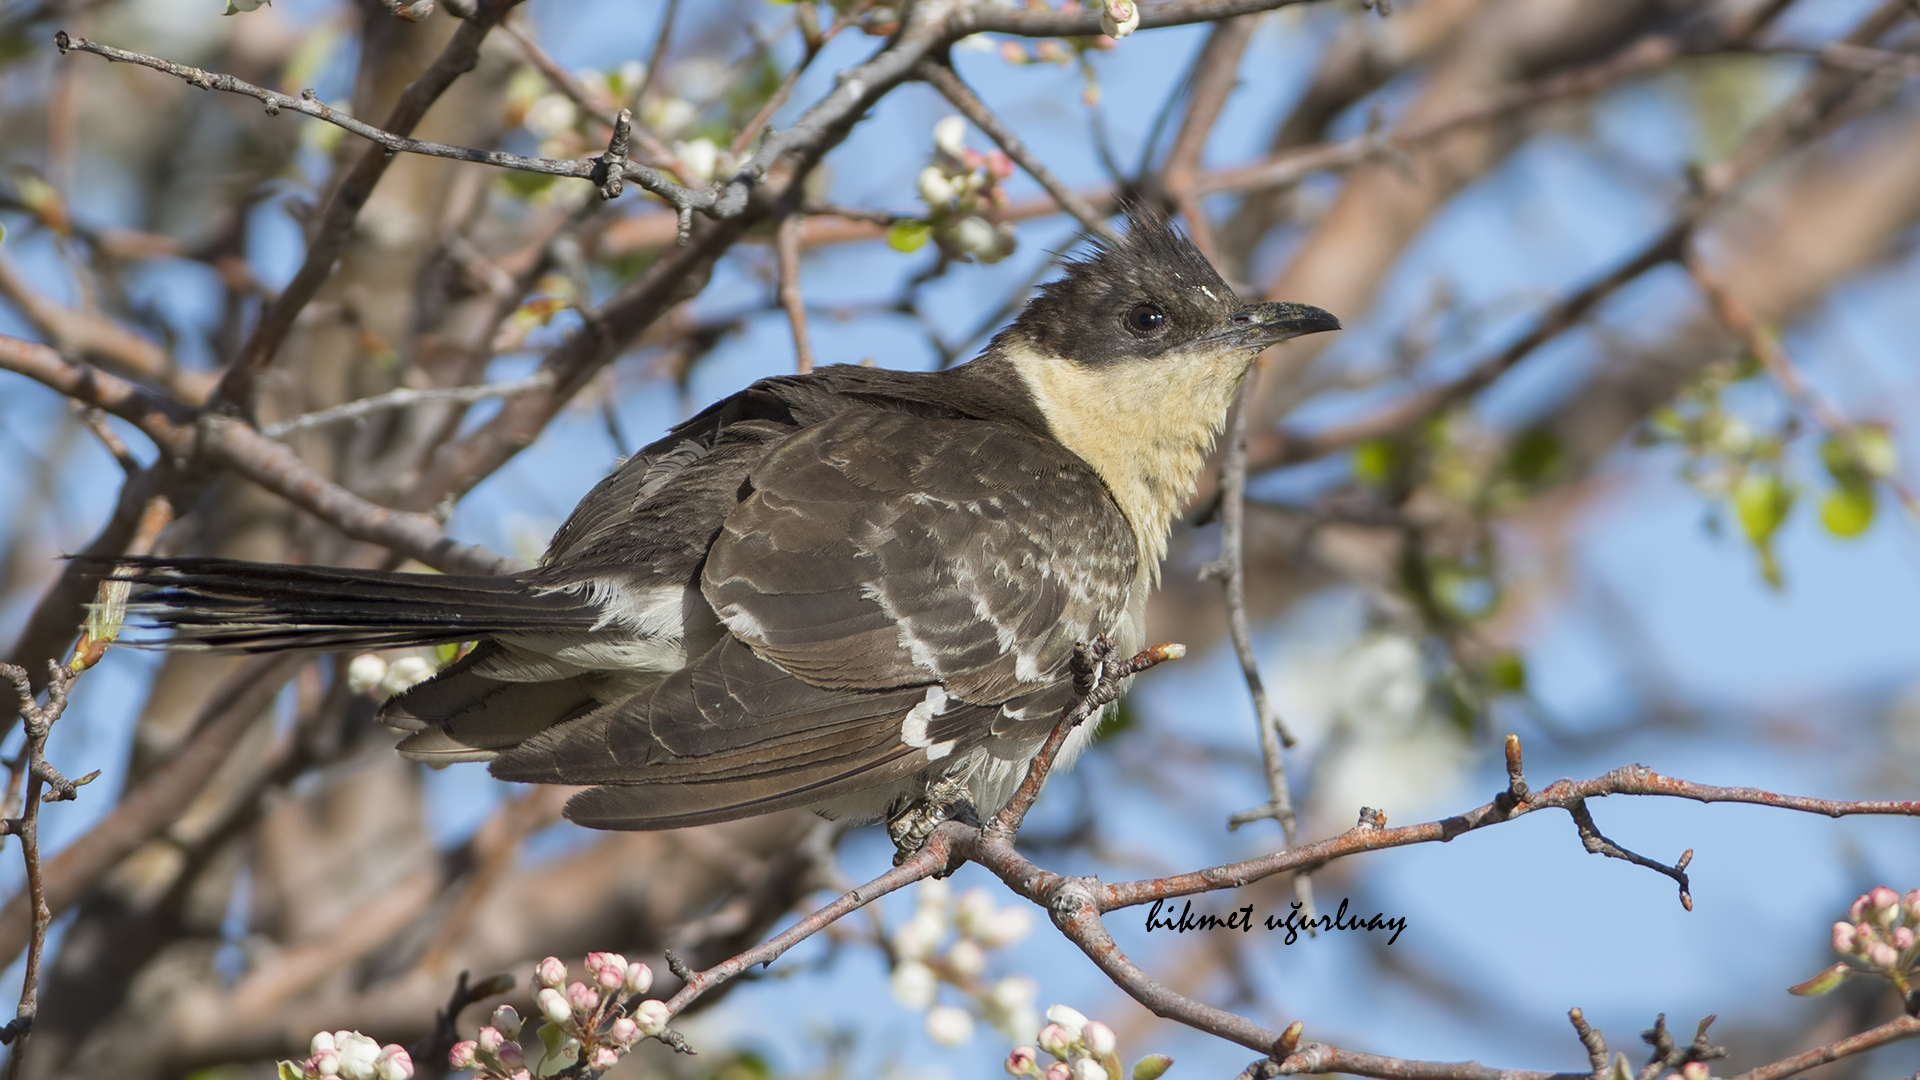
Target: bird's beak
{"points": [[1261, 325]]}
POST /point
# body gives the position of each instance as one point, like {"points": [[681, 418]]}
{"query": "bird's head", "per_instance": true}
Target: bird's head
{"points": [[1133, 356], [1149, 300]]}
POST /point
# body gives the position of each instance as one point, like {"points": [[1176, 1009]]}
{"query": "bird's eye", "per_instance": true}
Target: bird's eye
{"points": [[1145, 318]]}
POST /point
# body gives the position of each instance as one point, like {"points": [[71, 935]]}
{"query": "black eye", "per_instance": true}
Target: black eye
{"points": [[1145, 318]]}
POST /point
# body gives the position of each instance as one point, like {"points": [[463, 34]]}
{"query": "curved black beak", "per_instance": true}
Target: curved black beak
{"points": [[1262, 325]]}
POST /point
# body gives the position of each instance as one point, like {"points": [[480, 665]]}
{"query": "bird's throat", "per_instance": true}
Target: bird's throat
{"points": [[1146, 427]]}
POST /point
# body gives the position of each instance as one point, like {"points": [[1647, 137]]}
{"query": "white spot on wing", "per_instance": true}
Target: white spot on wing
{"points": [[913, 726]]}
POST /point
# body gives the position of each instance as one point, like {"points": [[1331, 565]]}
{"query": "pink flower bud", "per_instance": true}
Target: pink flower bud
{"points": [[553, 1005], [1099, 1038], [520, 1074], [1883, 956], [1118, 18], [609, 969], [1054, 1040], [324, 1063], [511, 1055], [1694, 1070], [1020, 1060], [463, 1054], [1844, 938], [1858, 911], [999, 165], [1881, 898], [1903, 938], [394, 1063], [551, 972], [321, 1043], [604, 1058], [583, 998], [624, 1031], [491, 1040], [1059, 1070], [639, 978], [1013, 52], [507, 1021], [652, 1016]]}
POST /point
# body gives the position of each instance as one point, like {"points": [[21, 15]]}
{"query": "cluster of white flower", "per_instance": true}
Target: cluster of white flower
{"points": [[350, 1055], [921, 963], [1082, 1049], [375, 675], [957, 187], [585, 1021], [1881, 936]]}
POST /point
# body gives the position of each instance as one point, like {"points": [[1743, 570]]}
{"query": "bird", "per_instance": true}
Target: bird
{"points": [[855, 590]]}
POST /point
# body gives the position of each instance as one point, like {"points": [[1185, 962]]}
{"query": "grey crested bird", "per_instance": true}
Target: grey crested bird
{"points": [[842, 590]]}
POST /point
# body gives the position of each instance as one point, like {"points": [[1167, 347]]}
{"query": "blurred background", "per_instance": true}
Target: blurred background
{"points": [[1502, 500]]}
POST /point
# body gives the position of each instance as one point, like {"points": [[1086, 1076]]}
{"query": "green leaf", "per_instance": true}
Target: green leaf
{"points": [[1375, 462], [1152, 1067], [561, 1051], [1506, 672], [1762, 500], [1534, 456], [909, 236], [1847, 510], [1823, 983], [289, 1071]]}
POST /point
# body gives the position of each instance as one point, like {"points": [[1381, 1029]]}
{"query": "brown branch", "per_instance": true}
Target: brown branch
{"points": [[787, 248], [38, 720], [100, 340], [1905, 1027], [573, 90], [1043, 22], [1562, 794], [942, 78], [1216, 71]]}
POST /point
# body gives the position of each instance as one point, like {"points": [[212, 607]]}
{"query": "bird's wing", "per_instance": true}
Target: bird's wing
{"points": [[892, 584]]}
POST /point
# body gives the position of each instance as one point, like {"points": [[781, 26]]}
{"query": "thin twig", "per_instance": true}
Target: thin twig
{"points": [[404, 398], [787, 248], [575, 91]]}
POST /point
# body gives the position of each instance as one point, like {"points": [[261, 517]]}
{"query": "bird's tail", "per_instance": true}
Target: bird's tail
{"points": [[230, 604]]}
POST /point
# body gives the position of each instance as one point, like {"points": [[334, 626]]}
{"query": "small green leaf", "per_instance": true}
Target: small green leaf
{"points": [[289, 1071], [909, 236], [1762, 500], [1152, 1067], [561, 1051], [1823, 983], [1506, 672], [1374, 463], [1847, 510]]}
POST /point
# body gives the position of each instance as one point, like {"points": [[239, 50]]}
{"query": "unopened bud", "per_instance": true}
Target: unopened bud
{"points": [[949, 1025], [966, 958], [913, 984], [1054, 1039], [491, 1040], [604, 1058], [1883, 955], [1099, 1038], [394, 1063], [1118, 18], [1059, 1070], [1885, 906], [553, 1005], [1020, 1060], [639, 978], [507, 1021], [463, 1054], [1903, 938], [950, 138], [624, 1031], [582, 998], [551, 972], [935, 189], [1844, 938], [1087, 1068], [652, 1016]]}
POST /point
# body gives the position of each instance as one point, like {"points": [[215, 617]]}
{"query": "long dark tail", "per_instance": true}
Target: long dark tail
{"points": [[266, 607]]}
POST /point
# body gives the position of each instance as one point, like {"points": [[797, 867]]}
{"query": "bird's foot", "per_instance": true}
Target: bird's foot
{"points": [[945, 799]]}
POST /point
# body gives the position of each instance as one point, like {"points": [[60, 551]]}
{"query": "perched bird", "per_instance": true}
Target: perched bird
{"points": [[839, 590]]}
